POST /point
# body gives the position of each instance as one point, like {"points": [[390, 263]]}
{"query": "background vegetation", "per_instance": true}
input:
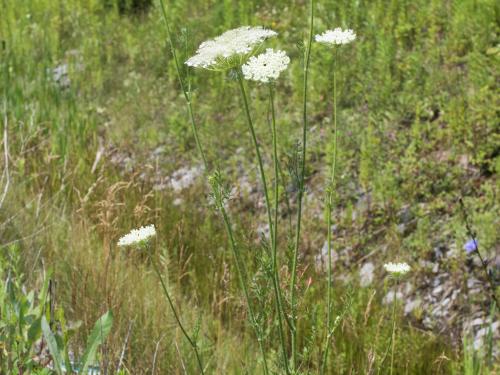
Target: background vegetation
{"points": [[96, 123]]}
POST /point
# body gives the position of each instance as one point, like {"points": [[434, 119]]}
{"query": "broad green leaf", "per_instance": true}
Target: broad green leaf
{"points": [[98, 335], [52, 344]]}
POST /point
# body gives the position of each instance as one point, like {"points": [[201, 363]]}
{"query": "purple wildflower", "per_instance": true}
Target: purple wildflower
{"points": [[470, 246]]}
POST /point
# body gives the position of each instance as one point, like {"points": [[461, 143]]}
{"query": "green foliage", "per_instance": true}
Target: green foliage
{"points": [[419, 128], [21, 315]]}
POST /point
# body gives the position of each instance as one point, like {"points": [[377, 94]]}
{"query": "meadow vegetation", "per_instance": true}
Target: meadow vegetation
{"points": [[97, 140]]}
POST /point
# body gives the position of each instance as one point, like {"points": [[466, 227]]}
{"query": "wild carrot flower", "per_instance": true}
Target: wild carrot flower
{"points": [[137, 236], [266, 67], [336, 37], [397, 269], [231, 49], [470, 246]]}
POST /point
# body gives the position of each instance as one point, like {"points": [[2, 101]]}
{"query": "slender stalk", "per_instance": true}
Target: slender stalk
{"points": [[276, 283], [242, 279], [301, 190], [184, 332], [268, 206], [393, 340], [257, 151], [186, 93], [331, 190], [225, 217]]}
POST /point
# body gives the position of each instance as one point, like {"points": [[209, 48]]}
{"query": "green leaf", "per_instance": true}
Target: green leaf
{"points": [[52, 344], [97, 337], [34, 331]]}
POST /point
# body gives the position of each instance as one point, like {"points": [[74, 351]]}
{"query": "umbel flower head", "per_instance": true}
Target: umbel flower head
{"points": [[266, 67], [336, 37], [397, 269], [231, 49], [137, 236]]}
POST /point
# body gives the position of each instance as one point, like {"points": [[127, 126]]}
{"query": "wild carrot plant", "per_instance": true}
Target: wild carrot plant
{"points": [[265, 68], [335, 39], [141, 238], [233, 55]]}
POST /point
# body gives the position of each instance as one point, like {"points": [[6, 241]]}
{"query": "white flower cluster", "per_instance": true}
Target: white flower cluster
{"points": [[397, 268], [241, 41], [337, 36], [137, 236], [266, 67]]}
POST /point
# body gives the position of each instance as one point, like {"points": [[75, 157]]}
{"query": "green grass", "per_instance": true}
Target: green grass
{"points": [[417, 109]]}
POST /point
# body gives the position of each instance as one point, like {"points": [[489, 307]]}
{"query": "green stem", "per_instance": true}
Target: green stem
{"points": [[167, 295], [262, 174], [301, 191], [393, 339], [186, 93], [257, 151], [276, 283], [242, 279], [331, 190], [227, 223]]}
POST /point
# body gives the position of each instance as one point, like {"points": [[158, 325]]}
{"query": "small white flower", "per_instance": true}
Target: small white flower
{"points": [[397, 268], [336, 36], [136, 236], [266, 67], [230, 49]]}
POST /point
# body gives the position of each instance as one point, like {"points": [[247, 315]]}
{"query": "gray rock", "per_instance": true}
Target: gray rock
{"points": [[411, 305], [184, 177], [389, 297], [366, 274]]}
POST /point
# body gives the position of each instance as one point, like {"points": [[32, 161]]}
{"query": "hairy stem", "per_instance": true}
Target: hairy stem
{"points": [[301, 190]]}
